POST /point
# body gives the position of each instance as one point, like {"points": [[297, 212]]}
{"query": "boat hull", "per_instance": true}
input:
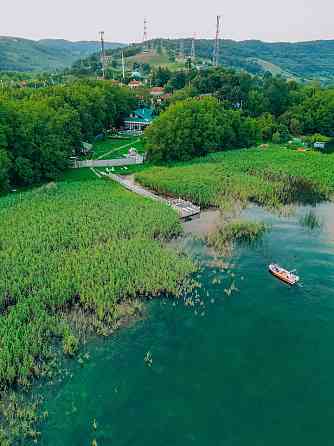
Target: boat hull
{"points": [[283, 275]]}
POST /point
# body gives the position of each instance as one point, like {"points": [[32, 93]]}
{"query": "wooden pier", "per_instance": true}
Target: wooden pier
{"points": [[185, 209]]}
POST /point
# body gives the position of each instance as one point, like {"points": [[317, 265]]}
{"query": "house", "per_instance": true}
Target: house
{"points": [[134, 84], [136, 75], [139, 119], [157, 92], [320, 145], [324, 146]]}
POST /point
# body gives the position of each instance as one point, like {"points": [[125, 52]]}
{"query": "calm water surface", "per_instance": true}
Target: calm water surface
{"points": [[252, 368]]}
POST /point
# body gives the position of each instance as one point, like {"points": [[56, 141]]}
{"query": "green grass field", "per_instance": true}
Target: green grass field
{"points": [[271, 177], [155, 59]]}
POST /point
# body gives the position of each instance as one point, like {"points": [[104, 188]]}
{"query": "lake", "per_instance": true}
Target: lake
{"points": [[255, 367]]}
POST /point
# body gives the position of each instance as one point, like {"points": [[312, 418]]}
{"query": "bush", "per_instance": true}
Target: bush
{"points": [[317, 137]]}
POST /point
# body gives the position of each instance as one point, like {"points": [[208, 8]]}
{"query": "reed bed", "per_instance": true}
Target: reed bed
{"points": [[273, 177], [90, 244], [236, 231]]}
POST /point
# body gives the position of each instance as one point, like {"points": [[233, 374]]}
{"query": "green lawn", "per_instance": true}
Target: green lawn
{"points": [[116, 148]]}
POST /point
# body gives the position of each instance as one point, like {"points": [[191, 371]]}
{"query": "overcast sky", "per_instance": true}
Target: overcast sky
{"points": [[122, 21]]}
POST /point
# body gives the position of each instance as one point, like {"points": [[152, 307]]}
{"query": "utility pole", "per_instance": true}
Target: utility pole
{"points": [[216, 48], [181, 51], [193, 48], [123, 65], [103, 54]]}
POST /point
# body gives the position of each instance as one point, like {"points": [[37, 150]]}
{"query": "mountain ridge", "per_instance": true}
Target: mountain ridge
{"points": [[308, 60], [21, 54]]}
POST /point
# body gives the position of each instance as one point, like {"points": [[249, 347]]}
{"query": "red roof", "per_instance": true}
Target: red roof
{"points": [[157, 90]]}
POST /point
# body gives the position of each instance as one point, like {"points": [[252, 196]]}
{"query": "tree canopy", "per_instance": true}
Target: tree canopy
{"points": [[194, 127], [40, 129]]}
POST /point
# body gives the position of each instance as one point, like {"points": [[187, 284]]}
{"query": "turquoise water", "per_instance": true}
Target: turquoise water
{"points": [[252, 368]]}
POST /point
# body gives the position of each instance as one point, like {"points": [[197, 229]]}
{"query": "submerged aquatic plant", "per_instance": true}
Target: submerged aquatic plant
{"points": [[148, 359], [71, 257], [19, 416]]}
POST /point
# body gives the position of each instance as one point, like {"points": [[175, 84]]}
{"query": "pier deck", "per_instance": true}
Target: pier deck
{"points": [[185, 209]]}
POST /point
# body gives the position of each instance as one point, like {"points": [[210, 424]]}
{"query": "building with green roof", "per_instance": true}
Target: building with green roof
{"points": [[139, 119]]}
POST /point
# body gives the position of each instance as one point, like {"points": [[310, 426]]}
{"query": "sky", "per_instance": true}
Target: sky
{"points": [[122, 21]]}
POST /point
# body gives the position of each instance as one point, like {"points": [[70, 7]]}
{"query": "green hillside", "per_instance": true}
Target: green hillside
{"points": [[17, 54], [303, 60]]}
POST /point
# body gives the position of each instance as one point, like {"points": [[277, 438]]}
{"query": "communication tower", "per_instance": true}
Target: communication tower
{"points": [[103, 54], [216, 51]]}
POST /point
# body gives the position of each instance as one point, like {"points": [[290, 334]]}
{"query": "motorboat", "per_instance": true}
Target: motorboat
{"points": [[284, 275]]}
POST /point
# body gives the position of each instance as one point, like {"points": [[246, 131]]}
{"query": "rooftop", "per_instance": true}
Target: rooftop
{"points": [[143, 115]]}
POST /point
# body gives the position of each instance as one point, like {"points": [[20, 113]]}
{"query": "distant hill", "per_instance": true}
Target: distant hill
{"points": [[17, 54], [303, 60]]}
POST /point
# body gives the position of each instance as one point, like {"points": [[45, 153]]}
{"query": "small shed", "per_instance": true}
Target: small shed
{"points": [[320, 145], [132, 152], [324, 146]]}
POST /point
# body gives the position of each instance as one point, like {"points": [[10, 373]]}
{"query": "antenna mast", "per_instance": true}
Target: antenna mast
{"points": [[216, 48], [103, 54], [145, 36], [181, 51], [193, 48]]}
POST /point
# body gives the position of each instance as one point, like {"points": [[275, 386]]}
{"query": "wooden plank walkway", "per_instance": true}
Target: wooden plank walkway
{"points": [[117, 162], [185, 209]]}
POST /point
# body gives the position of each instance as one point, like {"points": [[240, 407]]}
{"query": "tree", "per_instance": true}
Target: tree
{"points": [[267, 126], [161, 76], [178, 80], [41, 128], [4, 171], [194, 127]]}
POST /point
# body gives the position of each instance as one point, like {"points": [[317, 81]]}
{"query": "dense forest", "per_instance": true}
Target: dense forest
{"points": [[40, 129], [243, 110]]}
